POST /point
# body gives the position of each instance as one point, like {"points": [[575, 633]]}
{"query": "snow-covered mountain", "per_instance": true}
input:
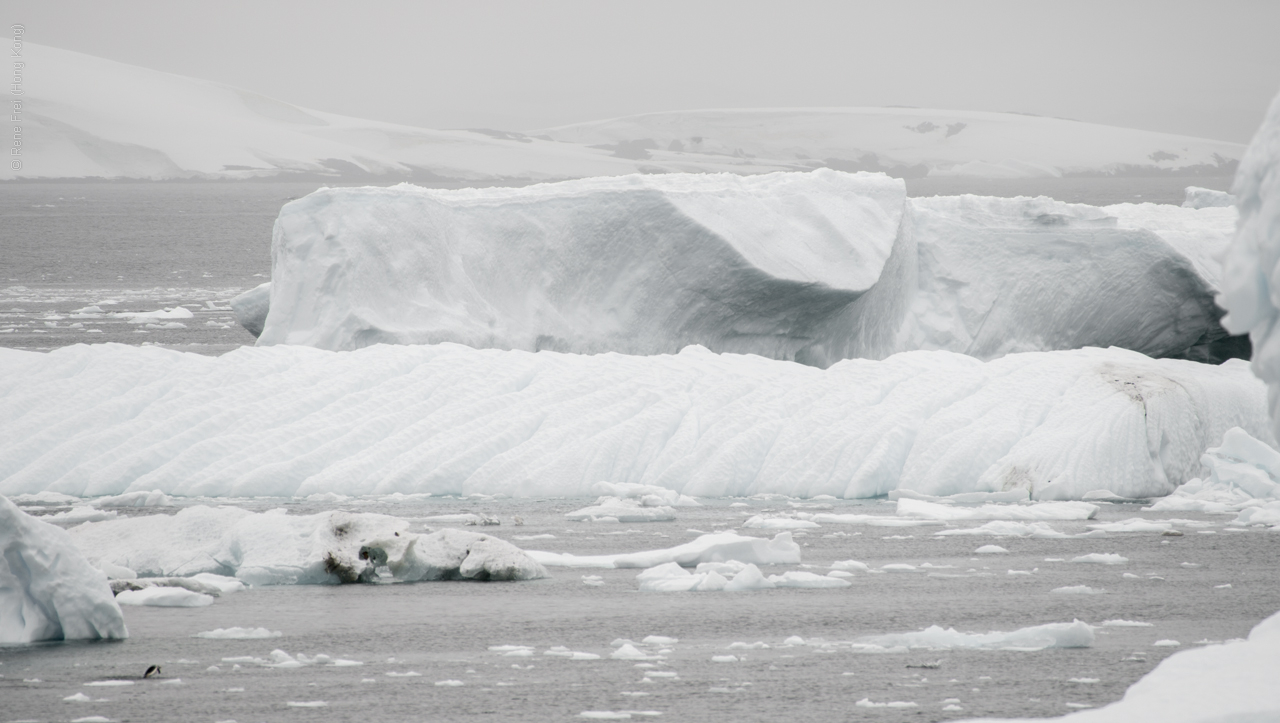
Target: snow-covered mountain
{"points": [[85, 116], [89, 117], [909, 142]]}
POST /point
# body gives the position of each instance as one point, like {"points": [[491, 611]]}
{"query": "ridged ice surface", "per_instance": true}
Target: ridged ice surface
{"points": [[448, 419]]}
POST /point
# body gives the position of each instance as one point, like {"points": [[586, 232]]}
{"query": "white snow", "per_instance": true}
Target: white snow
{"points": [[1233, 681], [273, 548], [164, 597], [714, 547], [446, 419], [48, 590], [1053, 635]]}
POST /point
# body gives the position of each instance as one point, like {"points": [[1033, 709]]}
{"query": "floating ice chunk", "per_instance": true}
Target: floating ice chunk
{"points": [[79, 515], [222, 582], [238, 634], [307, 704], [251, 308], [44, 499], [108, 683], [1165, 644], [627, 651], [115, 572], [796, 578], [898, 567], [850, 565], [1101, 558], [1133, 524], [154, 498], [758, 645], [648, 495], [759, 522], [1054, 635], [622, 510], [659, 640], [1037, 511], [48, 590], [750, 578], [715, 547], [1197, 197], [604, 715], [1118, 623], [724, 658], [78, 698], [840, 574], [141, 317], [1076, 590], [1004, 528], [990, 550], [867, 703]]}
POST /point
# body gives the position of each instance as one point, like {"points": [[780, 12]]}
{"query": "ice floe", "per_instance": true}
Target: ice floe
{"points": [[238, 634], [164, 597], [1053, 635], [48, 590]]}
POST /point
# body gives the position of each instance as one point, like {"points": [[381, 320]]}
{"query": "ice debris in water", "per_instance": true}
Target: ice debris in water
{"points": [[1054, 635], [238, 634]]}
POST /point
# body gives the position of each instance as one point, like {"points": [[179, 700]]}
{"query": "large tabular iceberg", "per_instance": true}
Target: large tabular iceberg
{"points": [[448, 419], [812, 267], [48, 590]]}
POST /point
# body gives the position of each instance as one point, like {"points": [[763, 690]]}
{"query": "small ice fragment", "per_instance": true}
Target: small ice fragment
{"points": [[449, 683], [1222, 587], [659, 640], [406, 674], [306, 704], [1165, 644], [990, 550], [1077, 590], [1101, 558], [866, 703], [1126, 624], [79, 698], [793, 640], [1191, 564], [106, 683], [1084, 680], [724, 658]]}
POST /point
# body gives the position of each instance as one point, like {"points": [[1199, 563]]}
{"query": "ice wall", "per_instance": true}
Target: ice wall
{"points": [[638, 264], [48, 590], [812, 267], [448, 419], [1251, 292]]}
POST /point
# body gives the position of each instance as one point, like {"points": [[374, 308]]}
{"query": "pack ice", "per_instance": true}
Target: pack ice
{"points": [[448, 419], [48, 590], [812, 267]]}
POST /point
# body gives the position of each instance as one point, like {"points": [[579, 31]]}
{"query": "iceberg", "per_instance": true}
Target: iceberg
{"points": [[447, 419], [1242, 473], [1252, 261], [812, 267], [1053, 635], [275, 548], [48, 590], [636, 264]]}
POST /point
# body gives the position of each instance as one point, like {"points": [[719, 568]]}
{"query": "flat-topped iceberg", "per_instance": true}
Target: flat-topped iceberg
{"points": [[48, 590], [448, 419], [812, 267]]}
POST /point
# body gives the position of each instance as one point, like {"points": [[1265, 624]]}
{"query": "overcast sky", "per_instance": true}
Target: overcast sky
{"points": [[1204, 68]]}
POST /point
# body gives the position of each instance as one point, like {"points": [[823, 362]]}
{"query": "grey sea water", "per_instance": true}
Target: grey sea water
{"points": [[1211, 584]]}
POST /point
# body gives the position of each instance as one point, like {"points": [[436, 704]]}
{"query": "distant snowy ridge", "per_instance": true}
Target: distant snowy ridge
{"points": [[90, 117], [812, 267], [907, 142], [448, 419]]}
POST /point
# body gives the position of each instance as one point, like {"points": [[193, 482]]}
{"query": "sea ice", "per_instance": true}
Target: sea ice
{"points": [[238, 634], [1102, 558], [1038, 511], [48, 590], [622, 510], [164, 597]]}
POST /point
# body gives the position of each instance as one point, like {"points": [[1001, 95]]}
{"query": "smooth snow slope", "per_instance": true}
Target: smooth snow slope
{"points": [[448, 419], [939, 142], [775, 265], [1252, 264], [48, 590], [639, 264], [87, 116]]}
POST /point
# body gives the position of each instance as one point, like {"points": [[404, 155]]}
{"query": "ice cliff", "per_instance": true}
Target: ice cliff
{"points": [[48, 590], [812, 267]]}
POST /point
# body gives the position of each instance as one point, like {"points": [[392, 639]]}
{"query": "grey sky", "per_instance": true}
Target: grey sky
{"points": [[1197, 68]]}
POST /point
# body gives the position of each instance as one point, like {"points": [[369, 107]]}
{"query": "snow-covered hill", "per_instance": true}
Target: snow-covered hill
{"points": [[84, 116], [910, 142], [89, 117]]}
